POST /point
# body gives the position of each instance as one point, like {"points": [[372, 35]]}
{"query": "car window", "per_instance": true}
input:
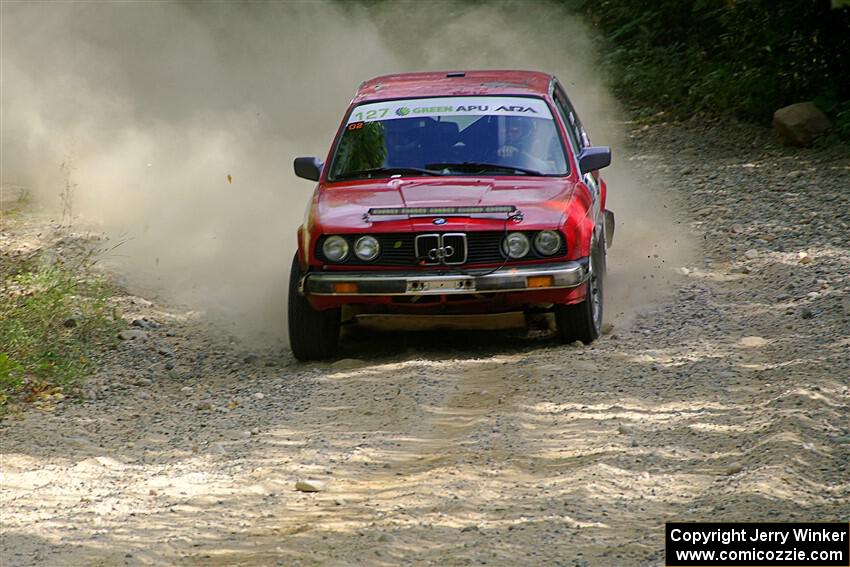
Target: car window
{"points": [[450, 136], [571, 121]]}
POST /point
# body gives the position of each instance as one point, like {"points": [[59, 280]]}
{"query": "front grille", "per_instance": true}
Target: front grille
{"points": [[486, 248], [423, 244], [402, 249], [434, 249]]}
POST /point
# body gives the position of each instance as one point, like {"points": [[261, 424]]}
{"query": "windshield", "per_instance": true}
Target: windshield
{"points": [[482, 135]]}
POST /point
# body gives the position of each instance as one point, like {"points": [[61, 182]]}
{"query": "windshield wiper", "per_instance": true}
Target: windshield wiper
{"points": [[386, 170], [481, 166]]}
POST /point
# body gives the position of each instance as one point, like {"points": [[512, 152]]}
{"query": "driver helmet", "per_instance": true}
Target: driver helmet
{"points": [[401, 135], [517, 130]]}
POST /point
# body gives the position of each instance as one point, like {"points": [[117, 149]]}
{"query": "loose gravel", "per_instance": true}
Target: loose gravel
{"points": [[728, 401]]}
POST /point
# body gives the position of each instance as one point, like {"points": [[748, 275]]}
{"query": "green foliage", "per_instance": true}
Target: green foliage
{"points": [[10, 373], [842, 121], [51, 319], [740, 57]]}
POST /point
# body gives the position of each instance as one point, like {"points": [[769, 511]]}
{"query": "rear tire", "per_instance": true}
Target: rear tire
{"points": [[583, 321], [313, 334]]}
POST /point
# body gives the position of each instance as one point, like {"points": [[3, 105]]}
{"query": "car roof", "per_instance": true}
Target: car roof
{"points": [[454, 83]]}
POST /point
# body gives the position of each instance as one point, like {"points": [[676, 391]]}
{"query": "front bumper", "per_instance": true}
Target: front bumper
{"points": [[523, 278]]}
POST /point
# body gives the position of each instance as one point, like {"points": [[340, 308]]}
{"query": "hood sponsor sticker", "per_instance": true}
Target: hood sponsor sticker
{"points": [[450, 106]]}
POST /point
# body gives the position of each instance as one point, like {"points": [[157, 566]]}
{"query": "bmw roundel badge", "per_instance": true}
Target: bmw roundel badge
{"points": [[439, 221]]}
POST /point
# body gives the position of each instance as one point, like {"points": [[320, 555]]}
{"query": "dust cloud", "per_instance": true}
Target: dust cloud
{"points": [[178, 123]]}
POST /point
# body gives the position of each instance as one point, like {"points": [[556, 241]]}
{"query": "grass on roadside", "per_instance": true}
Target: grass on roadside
{"points": [[52, 319]]}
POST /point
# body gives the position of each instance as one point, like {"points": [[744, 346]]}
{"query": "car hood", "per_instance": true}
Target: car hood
{"points": [[541, 200]]}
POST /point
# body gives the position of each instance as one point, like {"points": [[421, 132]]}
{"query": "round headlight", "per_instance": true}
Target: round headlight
{"points": [[335, 248], [367, 248], [516, 245], [547, 242]]}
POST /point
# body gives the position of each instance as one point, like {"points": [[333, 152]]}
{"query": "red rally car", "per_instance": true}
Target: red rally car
{"points": [[453, 193]]}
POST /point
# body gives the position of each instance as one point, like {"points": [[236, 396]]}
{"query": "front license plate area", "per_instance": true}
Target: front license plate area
{"points": [[439, 286]]}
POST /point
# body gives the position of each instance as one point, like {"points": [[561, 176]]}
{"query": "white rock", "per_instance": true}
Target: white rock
{"points": [[187, 390], [309, 485], [752, 342], [132, 335], [625, 429], [259, 396], [752, 253]]}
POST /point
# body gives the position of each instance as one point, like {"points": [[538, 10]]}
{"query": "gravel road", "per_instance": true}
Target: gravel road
{"points": [[727, 401]]}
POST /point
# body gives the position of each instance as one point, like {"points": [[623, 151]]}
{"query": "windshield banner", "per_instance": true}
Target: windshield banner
{"points": [[450, 106]]}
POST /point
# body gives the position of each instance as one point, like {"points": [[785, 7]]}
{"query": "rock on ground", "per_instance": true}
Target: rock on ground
{"points": [[801, 123]]}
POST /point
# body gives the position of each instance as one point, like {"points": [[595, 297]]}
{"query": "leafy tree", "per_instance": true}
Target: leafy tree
{"points": [[742, 57]]}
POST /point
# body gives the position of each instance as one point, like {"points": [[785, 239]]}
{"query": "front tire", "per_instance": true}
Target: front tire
{"points": [[313, 334], [583, 321]]}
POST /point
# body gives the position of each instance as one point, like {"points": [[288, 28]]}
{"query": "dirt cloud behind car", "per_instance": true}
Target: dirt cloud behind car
{"points": [[180, 123]]}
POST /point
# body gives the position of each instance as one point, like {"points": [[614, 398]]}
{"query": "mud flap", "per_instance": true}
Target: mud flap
{"points": [[609, 228]]}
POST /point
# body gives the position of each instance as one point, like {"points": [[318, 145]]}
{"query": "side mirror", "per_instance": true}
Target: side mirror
{"points": [[593, 158], [308, 167]]}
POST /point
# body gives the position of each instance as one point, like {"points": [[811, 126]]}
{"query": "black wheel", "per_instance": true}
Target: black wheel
{"points": [[313, 334], [583, 321]]}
